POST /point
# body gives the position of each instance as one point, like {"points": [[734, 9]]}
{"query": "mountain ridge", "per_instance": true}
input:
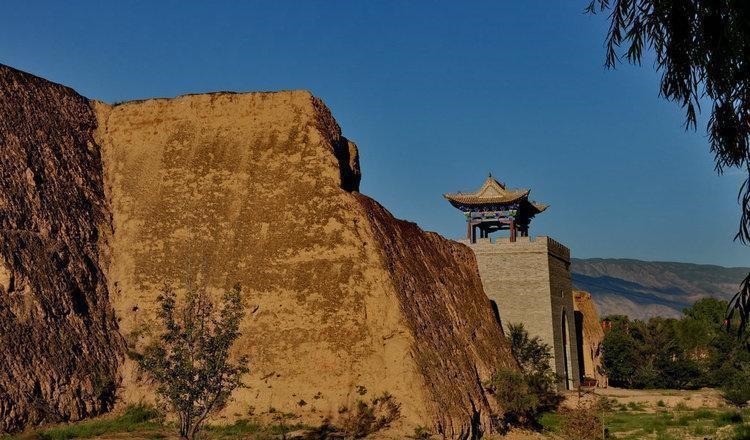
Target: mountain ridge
{"points": [[642, 289], [637, 260]]}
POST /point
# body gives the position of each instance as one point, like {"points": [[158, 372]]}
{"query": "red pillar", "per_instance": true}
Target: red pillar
{"points": [[512, 231]]}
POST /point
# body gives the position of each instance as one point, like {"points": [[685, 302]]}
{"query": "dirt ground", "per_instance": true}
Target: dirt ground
{"points": [[634, 414], [649, 399]]}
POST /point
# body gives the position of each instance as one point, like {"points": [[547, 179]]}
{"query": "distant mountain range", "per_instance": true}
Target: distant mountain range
{"points": [[642, 289]]}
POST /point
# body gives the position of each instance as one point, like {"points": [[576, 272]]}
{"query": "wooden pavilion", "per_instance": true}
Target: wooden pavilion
{"points": [[494, 207]]}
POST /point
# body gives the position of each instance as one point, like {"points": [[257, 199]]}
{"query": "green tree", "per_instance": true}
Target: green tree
{"points": [[702, 50], [531, 353], [677, 367], [524, 394], [535, 359], [190, 361], [620, 357], [685, 353], [708, 310]]}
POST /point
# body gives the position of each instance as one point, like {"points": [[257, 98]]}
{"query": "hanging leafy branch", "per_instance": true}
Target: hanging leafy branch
{"points": [[702, 50]]}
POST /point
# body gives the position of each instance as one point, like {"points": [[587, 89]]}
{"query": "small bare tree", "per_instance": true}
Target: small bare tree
{"points": [[190, 360]]}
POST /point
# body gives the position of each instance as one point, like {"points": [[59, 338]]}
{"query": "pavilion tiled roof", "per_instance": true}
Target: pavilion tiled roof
{"points": [[491, 191]]}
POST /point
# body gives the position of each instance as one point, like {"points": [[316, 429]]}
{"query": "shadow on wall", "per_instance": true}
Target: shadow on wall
{"points": [[496, 314], [579, 338]]}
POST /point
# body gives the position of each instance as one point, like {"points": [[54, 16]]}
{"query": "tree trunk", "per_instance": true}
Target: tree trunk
{"points": [[184, 427], [193, 429]]}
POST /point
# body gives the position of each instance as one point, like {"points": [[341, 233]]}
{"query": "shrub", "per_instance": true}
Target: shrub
{"points": [[421, 433], [531, 353], [581, 423], [190, 361], [741, 432], [366, 419], [524, 394], [512, 391], [737, 389], [534, 357]]}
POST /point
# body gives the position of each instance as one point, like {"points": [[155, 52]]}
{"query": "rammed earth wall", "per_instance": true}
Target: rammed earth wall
{"points": [[101, 206], [59, 346]]}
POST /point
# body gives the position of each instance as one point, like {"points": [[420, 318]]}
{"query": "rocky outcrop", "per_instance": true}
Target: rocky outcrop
{"points": [[59, 346], [345, 302]]}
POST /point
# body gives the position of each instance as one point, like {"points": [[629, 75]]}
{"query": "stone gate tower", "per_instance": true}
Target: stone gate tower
{"points": [[527, 279]]}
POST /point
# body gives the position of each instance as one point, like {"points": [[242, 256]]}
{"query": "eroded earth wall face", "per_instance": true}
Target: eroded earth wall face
{"points": [[345, 302], [213, 190], [591, 335], [59, 345], [457, 337]]}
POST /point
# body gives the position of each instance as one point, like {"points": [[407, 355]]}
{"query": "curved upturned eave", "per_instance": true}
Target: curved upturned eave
{"points": [[473, 199], [465, 206]]}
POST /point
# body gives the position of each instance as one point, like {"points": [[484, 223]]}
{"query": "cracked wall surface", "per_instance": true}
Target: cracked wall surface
{"points": [[59, 345]]}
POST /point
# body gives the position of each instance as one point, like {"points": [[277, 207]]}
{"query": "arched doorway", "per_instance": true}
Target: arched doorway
{"points": [[566, 351]]}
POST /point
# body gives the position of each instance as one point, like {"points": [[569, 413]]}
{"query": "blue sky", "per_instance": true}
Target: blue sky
{"points": [[436, 94]]}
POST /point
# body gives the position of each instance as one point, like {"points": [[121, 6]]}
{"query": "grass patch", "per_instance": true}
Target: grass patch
{"points": [[245, 428], [145, 422], [628, 424], [638, 423], [237, 429], [636, 406], [665, 424], [681, 406], [728, 418], [135, 418], [550, 421]]}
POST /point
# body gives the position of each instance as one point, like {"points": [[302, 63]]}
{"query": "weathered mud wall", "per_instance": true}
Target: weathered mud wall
{"points": [[59, 346], [344, 301], [347, 302], [591, 335], [457, 339], [218, 189]]}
